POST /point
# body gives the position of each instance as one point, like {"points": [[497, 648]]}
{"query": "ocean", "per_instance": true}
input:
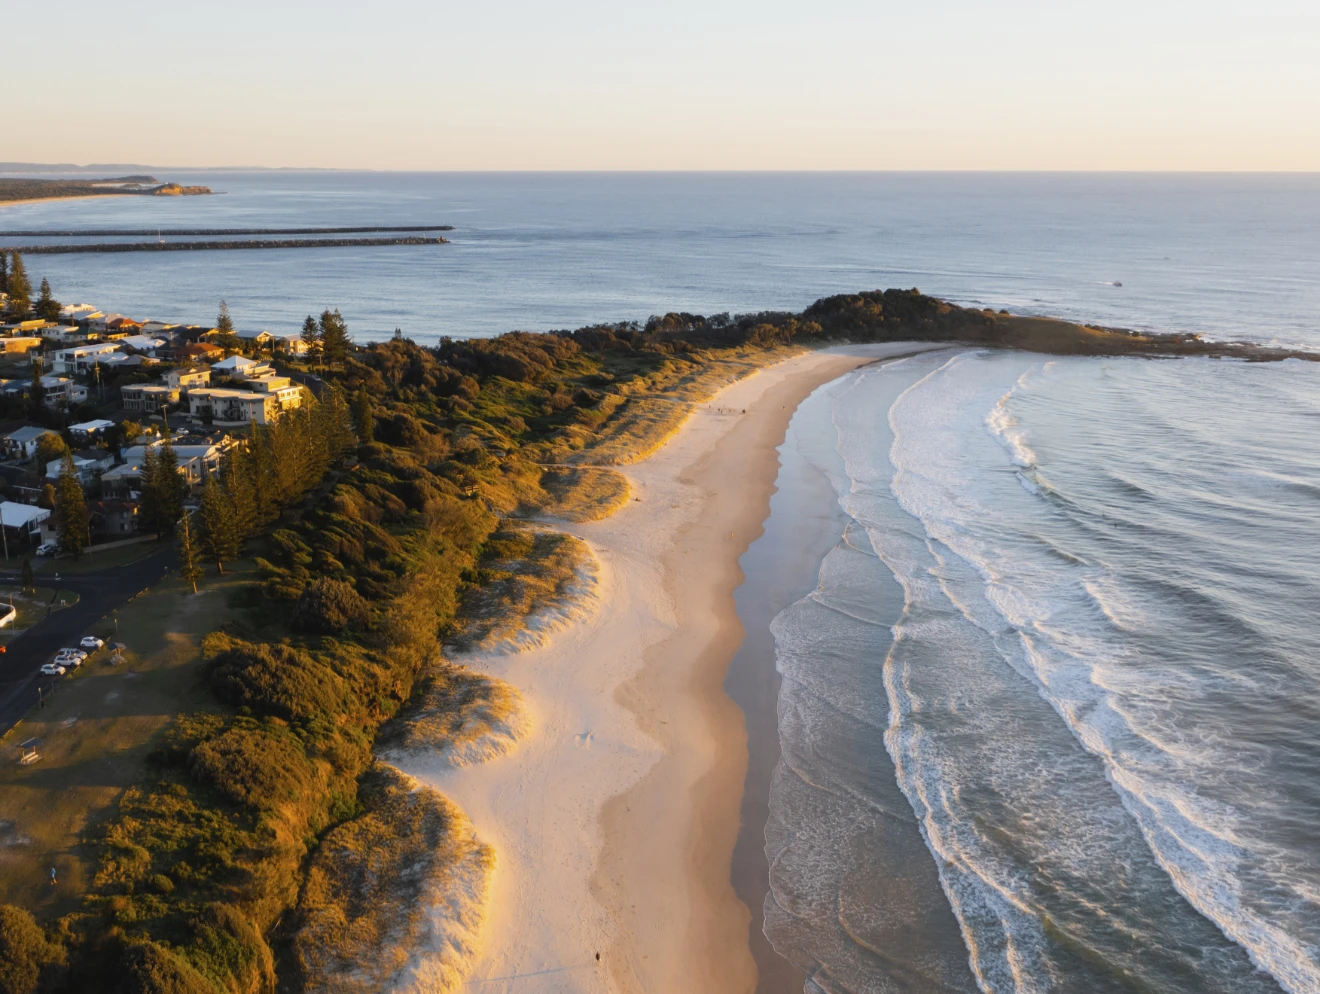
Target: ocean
{"points": [[1050, 715]]}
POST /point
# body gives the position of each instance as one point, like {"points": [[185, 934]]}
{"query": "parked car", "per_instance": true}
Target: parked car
{"points": [[91, 643], [53, 669], [70, 657], [48, 548]]}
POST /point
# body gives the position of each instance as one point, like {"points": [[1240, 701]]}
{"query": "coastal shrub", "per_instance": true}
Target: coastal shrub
{"points": [[24, 951], [274, 680], [327, 606], [150, 968], [260, 766]]}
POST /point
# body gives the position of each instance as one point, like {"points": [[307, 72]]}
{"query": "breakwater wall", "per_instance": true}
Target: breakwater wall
{"points": [[255, 243]]}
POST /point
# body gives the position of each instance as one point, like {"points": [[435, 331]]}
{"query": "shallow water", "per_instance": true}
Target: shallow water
{"points": [[1100, 696]]}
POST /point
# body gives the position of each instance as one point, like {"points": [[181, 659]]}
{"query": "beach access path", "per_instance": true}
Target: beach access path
{"points": [[614, 821]]}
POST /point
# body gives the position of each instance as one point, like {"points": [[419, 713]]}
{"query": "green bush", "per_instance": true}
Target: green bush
{"points": [[327, 606]]}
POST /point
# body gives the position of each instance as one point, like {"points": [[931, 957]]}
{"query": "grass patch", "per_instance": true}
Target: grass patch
{"points": [[93, 560], [94, 738], [583, 493]]}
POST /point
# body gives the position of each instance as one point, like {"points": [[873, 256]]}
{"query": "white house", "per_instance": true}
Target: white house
{"points": [[79, 312], [141, 343], [58, 392], [88, 430], [232, 408], [196, 463], [23, 517], [80, 358], [86, 464], [241, 366], [186, 379], [22, 442], [148, 397]]}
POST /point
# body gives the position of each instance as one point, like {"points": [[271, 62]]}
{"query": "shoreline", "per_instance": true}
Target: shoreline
{"points": [[616, 819]]}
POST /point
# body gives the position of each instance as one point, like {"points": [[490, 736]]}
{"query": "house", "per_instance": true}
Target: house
{"points": [[160, 329], [25, 327], [257, 339], [22, 443], [184, 379], [88, 430], [58, 392], [196, 463], [88, 464], [120, 323], [198, 350], [101, 321], [288, 395], [233, 407], [23, 518], [141, 343], [292, 344], [241, 367], [80, 358], [148, 397], [120, 360], [113, 518], [78, 393], [57, 332], [79, 313], [21, 345]]}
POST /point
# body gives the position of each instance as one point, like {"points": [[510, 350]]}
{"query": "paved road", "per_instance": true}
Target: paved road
{"points": [[99, 593]]}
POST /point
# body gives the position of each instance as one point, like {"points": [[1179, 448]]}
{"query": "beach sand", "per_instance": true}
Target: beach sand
{"points": [[615, 820]]}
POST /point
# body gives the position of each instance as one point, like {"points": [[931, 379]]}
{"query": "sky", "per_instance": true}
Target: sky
{"points": [[688, 84]]}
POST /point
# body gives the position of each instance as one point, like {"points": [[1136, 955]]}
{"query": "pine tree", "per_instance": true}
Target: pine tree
{"points": [[224, 324], [29, 579], [70, 510], [48, 308], [261, 477], [311, 336], [189, 568], [20, 287], [170, 484], [220, 539], [36, 393], [334, 337], [237, 484], [363, 416], [4, 271]]}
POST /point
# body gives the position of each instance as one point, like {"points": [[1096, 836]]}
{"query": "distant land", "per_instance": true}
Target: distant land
{"points": [[12, 190]]}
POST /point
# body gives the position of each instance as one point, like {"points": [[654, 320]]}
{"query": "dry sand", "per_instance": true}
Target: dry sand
{"points": [[614, 821]]}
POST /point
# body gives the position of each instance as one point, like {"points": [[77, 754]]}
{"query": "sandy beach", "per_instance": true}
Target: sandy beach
{"points": [[615, 820]]}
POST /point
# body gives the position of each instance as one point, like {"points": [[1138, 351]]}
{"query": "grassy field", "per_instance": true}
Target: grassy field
{"points": [[94, 736], [92, 561]]}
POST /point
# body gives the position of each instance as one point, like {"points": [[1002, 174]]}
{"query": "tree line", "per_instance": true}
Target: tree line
{"points": [[14, 282]]}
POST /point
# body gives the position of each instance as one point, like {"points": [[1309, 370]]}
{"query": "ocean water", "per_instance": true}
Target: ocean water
{"points": [[1231, 256], [1049, 718], [1073, 619]]}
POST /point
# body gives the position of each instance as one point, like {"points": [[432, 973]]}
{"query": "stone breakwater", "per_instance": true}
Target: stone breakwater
{"points": [[253, 243], [220, 232]]}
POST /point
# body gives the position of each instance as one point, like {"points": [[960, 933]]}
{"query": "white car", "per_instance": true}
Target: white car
{"points": [[69, 658], [52, 669], [48, 548], [80, 653], [91, 643]]}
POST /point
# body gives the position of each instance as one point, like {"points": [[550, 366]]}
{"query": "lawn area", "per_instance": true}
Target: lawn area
{"points": [[94, 736], [31, 606], [93, 560]]}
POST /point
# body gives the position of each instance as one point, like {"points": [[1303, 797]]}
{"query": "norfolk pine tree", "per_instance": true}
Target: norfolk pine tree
{"points": [[220, 539], [70, 510], [237, 485], [48, 308], [20, 287], [334, 337], [189, 568], [4, 271], [311, 336]]}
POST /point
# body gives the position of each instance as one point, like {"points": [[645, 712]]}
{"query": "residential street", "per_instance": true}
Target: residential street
{"points": [[99, 594]]}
